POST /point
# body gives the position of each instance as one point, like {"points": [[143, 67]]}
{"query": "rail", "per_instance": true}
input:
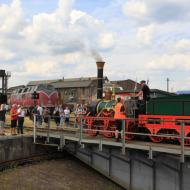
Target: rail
{"points": [[85, 129]]}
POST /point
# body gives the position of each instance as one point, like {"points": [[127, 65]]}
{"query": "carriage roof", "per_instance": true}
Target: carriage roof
{"points": [[31, 89]]}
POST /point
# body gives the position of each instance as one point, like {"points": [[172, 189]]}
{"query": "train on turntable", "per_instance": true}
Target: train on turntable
{"points": [[155, 118], [159, 117]]}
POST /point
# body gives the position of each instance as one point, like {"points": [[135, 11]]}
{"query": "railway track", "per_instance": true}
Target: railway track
{"points": [[8, 164]]}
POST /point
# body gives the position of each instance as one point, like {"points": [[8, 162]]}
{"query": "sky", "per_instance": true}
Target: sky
{"points": [[138, 40]]}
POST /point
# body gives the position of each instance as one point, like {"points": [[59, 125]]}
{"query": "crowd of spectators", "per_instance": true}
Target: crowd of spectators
{"points": [[60, 114]]}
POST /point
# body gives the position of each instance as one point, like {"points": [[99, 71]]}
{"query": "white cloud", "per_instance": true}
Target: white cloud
{"points": [[50, 41], [145, 34], [135, 9], [150, 40], [39, 66], [173, 62], [106, 41], [11, 18], [6, 55], [182, 45], [66, 30]]}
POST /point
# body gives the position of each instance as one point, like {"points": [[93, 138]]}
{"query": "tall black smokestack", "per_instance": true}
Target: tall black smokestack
{"points": [[100, 67]]}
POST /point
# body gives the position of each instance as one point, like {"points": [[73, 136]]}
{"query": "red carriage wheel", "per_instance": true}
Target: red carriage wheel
{"points": [[156, 139], [130, 127], [109, 126], [91, 127], [186, 141]]}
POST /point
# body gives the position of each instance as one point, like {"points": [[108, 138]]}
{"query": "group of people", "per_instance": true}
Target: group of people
{"points": [[60, 115], [17, 114]]}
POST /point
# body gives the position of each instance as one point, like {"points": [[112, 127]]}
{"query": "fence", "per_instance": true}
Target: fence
{"points": [[94, 127]]}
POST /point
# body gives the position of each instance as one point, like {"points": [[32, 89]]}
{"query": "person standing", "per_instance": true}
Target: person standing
{"points": [[67, 116], [56, 116], [46, 116], [145, 91], [21, 114], [39, 115], [119, 116], [14, 116], [2, 118], [62, 116], [145, 94]]}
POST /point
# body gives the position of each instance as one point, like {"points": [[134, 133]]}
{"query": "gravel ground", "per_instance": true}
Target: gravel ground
{"points": [[66, 174]]}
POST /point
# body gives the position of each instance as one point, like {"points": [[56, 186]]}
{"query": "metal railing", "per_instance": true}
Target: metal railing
{"points": [[82, 126]]}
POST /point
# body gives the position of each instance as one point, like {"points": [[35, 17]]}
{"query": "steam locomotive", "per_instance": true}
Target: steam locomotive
{"points": [[47, 96], [160, 118]]}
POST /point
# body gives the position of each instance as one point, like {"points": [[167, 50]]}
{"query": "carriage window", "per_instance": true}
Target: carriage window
{"points": [[153, 120], [20, 91], [26, 89], [29, 89], [32, 89]]}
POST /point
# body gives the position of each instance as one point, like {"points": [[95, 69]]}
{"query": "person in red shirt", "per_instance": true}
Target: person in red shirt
{"points": [[14, 116]]}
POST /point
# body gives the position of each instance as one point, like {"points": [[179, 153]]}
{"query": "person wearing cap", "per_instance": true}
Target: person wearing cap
{"points": [[145, 91]]}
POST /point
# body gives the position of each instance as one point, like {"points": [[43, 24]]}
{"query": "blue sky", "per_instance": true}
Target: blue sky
{"points": [[138, 39]]}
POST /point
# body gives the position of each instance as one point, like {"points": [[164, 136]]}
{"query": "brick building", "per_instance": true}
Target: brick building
{"points": [[80, 90]]}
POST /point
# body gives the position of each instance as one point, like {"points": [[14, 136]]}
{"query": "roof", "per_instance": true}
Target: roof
{"points": [[72, 84], [34, 83], [161, 92], [75, 82], [58, 83], [128, 85]]}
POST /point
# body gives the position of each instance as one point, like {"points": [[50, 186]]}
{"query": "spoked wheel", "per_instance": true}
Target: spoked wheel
{"points": [[156, 139], [110, 127], [108, 124], [92, 127], [130, 128], [186, 141]]}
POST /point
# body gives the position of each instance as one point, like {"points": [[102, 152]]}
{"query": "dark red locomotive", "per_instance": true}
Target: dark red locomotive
{"points": [[48, 96]]}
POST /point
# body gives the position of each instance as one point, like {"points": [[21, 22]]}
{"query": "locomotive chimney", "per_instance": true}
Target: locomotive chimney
{"points": [[100, 67]]}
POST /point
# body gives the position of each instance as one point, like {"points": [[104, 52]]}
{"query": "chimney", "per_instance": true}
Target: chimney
{"points": [[100, 67]]}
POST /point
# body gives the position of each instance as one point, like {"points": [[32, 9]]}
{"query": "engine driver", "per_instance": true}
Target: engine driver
{"points": [[145, 91]]}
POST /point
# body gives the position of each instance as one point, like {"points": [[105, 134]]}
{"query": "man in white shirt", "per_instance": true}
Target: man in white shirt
{"points": [[67, 116], [21, 114], [39, 115]]}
